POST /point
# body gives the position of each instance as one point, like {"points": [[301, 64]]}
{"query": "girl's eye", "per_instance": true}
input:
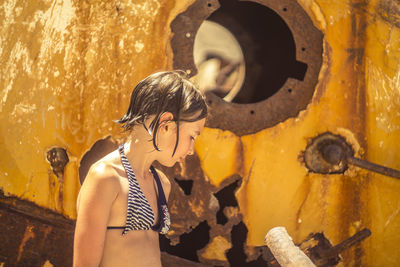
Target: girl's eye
{"points": [[193, 138]]}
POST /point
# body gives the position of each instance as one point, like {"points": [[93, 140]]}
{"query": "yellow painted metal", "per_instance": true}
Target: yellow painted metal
{"points": [[67, 69], [358, 97], [220, 154]]}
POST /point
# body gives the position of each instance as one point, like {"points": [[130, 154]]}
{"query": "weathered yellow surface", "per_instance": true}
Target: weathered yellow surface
{"points": [[67, 70], [357, 97], [223, 151], [68, 67]]}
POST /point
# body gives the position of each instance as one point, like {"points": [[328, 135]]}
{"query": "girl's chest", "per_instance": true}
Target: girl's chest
{"points": [[143, 193]]}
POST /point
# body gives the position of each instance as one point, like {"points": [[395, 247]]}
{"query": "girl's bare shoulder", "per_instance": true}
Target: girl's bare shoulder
{"points": [[102, 184], [106, 170]]}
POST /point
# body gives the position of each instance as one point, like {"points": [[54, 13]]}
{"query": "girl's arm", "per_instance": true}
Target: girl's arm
{"points": [[94, 203]]}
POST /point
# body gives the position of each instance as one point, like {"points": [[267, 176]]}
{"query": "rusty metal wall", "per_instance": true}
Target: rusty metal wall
{"points": [[248, 175]]}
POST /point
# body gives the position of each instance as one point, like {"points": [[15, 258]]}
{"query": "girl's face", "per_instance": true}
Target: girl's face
{"points": [[188, 132]]}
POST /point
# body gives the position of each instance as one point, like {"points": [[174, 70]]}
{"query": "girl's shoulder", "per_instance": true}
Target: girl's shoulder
{"points": [[106, 170], [101, 186]]}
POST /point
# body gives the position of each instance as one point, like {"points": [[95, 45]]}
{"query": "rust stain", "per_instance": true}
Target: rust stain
{"points": [[352, 188], [389, 11], [29, 234], [46, 230], [239, 158]]}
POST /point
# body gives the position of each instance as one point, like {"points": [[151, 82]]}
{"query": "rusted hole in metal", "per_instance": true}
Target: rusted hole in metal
{"points": [[58, 158], [101, 148], [303, 49], [251, 111], [289, 90], [185, 185], [189, 243], [236, 255], [327, 153], [226, 197], [272, 41], [285, 9], [209, 4], [269, 52]]}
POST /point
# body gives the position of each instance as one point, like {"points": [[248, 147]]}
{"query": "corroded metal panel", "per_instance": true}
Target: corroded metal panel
{"points": [[33, 236]]}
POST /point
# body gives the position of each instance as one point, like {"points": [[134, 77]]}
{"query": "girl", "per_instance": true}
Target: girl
{"points": [[122, 204]]}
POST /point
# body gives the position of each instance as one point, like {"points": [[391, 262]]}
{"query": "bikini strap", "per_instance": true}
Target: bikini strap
{"points": [[161, 194], [124, 159]]}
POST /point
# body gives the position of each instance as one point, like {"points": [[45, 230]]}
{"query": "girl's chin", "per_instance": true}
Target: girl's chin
{"points": [[172, 162]]}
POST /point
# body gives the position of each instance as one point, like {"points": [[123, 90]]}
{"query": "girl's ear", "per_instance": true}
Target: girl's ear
{"points": [[164, 119]]}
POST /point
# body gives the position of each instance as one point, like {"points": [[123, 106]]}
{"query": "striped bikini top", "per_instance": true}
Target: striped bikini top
{"points": [[140, 216]]}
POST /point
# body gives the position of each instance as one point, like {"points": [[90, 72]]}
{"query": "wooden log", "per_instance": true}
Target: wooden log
{"points": [[284, 250]]}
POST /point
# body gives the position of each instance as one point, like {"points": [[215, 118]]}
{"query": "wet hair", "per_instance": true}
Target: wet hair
{"points": [[168, 91]]}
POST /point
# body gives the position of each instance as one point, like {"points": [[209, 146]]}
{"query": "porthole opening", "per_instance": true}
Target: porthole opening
{"points": [[282, 57], [245, 52]]}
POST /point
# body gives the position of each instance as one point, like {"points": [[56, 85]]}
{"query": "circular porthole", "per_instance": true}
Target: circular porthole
{"points": [[277, 74]]}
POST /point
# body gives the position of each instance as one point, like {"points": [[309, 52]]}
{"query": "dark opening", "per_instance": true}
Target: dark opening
{"points": [[101, 148], [268, 47], [226, 197], [58, 158], [236, 255], [189, 243], [185, 185]]}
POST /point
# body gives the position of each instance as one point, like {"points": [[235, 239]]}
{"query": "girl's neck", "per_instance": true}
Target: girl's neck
{"points": [[140, 153]]}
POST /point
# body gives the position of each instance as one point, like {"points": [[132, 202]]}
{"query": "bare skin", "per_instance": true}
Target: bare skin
{"points": [[102, 200]]}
